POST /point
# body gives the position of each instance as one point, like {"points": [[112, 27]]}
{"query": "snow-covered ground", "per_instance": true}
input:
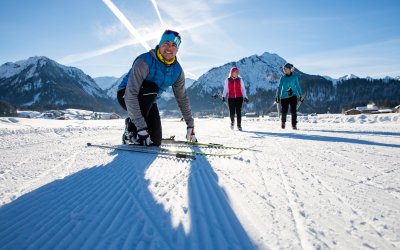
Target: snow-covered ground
{"points": [[335, 183]]}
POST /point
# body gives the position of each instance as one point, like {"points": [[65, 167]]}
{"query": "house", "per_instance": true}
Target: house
{"points": [[383, 111], [396, 109], [368, 109], [352, 112]]}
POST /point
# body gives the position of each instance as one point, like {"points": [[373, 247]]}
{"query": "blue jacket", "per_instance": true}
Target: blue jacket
{"points": [[287, 82], [159, 73], [124, 82]]}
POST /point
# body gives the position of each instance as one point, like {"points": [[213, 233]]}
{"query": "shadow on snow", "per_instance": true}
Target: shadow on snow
{"points": [[110, 206], [357, 132], [322, 138]]}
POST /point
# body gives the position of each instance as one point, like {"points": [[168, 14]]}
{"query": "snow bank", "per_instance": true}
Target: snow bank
{"points": [[18, 126]]}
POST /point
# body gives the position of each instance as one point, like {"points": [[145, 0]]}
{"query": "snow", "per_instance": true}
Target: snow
{"points": [[332, 184], [105, 82], [36, 98], [11, 69], [343, 78], [68, 114]]}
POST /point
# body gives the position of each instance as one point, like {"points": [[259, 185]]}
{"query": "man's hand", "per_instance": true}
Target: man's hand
{"points": [[223, 99], [143, 137], [190, 136], [277, 100], [246, 100]]}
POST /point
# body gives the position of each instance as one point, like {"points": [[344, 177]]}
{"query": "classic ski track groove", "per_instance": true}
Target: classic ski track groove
{"points": [[144, 211], [387, 243], [66, 162], [394, 193], [217, 211], [300, 224], [360, 181]]}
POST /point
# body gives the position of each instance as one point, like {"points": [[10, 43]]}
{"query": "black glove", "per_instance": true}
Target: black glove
{"points": [[277, 99], [143, 137], [223, 99], [246, 100]]}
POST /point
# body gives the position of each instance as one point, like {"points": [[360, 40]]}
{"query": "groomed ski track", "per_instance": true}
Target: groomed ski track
{"points": [[333, 184]]}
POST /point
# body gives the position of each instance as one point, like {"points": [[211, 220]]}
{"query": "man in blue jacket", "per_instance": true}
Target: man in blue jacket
{"points": [[287, 94], [151, 74]]}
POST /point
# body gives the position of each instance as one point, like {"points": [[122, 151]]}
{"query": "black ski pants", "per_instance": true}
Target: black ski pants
{"points": [[292, 102], [235, 107], [150, 112]]}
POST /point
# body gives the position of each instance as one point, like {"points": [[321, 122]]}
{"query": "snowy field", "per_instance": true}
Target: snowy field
{"points": [[333, 184]]}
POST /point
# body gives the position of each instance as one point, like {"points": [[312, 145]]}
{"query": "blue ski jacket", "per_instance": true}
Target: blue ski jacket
{"points": [[285, 84], [161, 75], [124, 82]]}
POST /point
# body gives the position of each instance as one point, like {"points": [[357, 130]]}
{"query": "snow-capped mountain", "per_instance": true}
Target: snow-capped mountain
{"points": [[112, 90], [105, 82], [261, 75], [343, 78], [258, 72], [43, 83]]}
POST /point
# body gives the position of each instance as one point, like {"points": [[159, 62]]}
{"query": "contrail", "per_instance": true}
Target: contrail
{"points": [[127, 24], [163, 25], [87, 55], [130, 27], [158, 12], [99, 52]]}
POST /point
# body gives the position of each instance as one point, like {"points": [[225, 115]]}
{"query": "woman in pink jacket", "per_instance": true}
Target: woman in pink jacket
{"points": [[235, 92]]}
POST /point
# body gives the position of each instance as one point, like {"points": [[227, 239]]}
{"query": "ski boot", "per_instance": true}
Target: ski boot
{"points": [[232, 126], [239, 128], [294, 127], [128, 137], [283, 125]]}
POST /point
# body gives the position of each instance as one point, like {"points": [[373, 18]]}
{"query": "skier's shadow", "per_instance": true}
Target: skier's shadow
{"points": [[111, 207], [299, 136], [382, 133]]}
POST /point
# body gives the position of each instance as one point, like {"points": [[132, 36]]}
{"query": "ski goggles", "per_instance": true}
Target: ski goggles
{"points": [[172, 36]]}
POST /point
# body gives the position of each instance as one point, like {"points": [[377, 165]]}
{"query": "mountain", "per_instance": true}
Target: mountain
{"points": [[40, 83], [105, 82], [343, 78], [261, 75]]}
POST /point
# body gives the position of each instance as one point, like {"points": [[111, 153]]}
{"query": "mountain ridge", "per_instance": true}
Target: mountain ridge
{"points": [[39, 83]]}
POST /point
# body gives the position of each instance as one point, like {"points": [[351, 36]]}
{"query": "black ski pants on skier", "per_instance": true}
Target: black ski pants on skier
{"points": [[292, 102], [120, 98], [235, 107], [150, 112]]}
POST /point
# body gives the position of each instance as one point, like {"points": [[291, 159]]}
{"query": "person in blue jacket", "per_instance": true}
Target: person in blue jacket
{"points": [[288, 93], [151, 74]]}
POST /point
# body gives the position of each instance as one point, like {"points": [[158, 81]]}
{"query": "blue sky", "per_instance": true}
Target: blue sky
{"points": [[323, 37]]}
